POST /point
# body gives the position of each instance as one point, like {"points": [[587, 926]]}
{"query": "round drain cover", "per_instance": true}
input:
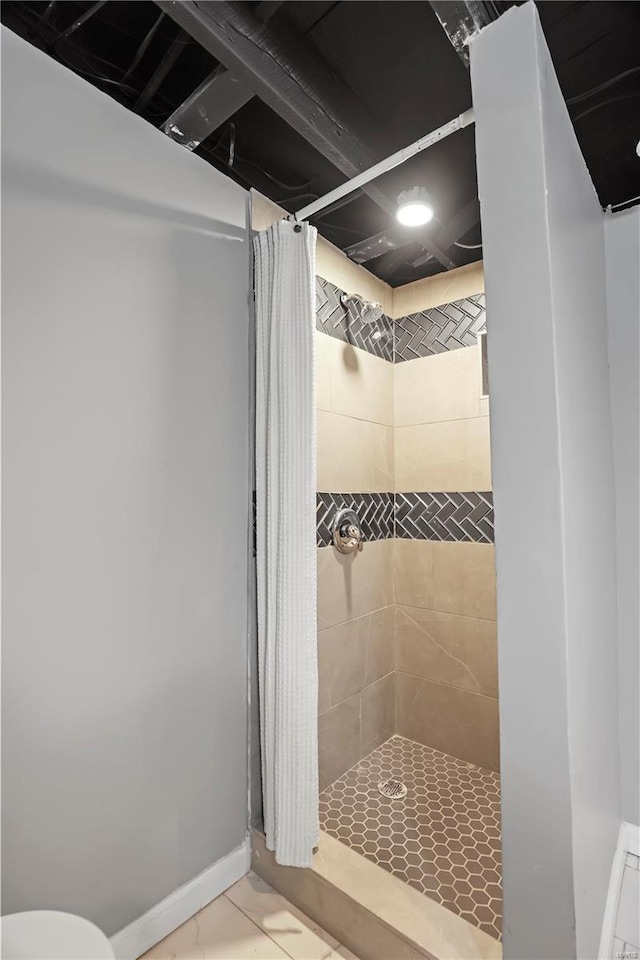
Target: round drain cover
{"points": [[393, 789]]}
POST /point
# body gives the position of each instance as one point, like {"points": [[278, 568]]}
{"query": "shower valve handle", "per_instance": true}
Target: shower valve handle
{"points": [[347, 532]]}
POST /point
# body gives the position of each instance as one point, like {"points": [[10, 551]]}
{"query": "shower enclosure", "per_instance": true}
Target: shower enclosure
{"points": [[408, 697]]}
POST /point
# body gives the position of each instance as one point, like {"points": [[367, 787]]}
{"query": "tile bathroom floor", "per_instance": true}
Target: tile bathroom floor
{"points": [[443, 837], [251, 921]]}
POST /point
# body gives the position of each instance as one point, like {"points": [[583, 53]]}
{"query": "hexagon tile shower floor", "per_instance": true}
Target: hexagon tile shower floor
{"points": [[443, 837]]}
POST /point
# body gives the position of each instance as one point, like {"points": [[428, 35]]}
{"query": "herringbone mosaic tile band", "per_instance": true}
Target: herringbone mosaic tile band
{"points": [[374, 510], [447, 327], [445, 516], [443, 837], [411, 516], [336, 321]]}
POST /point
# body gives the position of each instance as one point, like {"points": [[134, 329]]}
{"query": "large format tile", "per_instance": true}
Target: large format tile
{"points": [[298, 936], [324, 364], [339, 740], [460, 651], [377, 713], [353, 654], [413, 573], [353, 382], [464, 579], [351, 585], [353, 456], [434, 291], [454, 721], [447, 576], [220, 931], [453, 455], [445, 386]]}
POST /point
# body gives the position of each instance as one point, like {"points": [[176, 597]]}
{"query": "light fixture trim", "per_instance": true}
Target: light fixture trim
{"points": [[414, 207]]}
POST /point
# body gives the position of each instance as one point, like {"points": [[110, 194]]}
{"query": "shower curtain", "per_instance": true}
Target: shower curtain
{"points": [[284, 279]]}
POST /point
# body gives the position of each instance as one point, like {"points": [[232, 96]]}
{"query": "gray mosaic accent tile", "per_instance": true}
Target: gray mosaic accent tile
{"points": [[411, 516], [336, 321], [375, 512], [445, 516], [447, 327]]}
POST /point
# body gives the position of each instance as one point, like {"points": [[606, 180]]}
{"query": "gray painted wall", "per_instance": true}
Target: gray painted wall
{"points": [[622, 241], [125, 508], [554, 497]]}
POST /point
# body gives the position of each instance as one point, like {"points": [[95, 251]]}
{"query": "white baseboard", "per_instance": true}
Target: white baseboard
{"points": [[158, 922], [628, 842]]}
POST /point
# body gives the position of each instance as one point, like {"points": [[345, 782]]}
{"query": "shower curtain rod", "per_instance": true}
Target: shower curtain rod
{"points": [[461, 121]]}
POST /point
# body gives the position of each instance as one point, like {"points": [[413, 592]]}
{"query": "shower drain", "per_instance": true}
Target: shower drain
{"points": [[393, 789]]}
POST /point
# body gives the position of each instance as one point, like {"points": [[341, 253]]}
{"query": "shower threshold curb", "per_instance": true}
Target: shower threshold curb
{"points": [[370, 911]]}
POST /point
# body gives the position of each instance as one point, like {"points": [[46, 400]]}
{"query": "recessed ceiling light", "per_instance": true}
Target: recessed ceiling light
{"points": [[638, 148], [414, 208]]}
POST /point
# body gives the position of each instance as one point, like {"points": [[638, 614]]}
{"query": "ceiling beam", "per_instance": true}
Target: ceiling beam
{"points": [[462, 19], [288, 73], [209, 106], [399, 238], [217, 98], [375, 246], [390, 262], [463, 221]]}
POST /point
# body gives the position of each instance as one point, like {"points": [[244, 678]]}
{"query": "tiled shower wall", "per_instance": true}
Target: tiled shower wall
{"points": [[444, 588], [356, 656], [407, 638]]}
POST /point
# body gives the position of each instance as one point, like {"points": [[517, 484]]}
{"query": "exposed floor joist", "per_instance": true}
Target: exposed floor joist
{"points": [[397, 237], [286, 71], [217, 98], [160, 73]]}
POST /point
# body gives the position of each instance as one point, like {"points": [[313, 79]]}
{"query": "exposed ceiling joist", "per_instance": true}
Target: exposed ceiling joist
{"points": [[375, 246], [462, 19], [159, 74], [398, 238], [457, 227], [390, 262], [143, 47], [286, 71], [93, 9], [463, 221], [217, 98]]}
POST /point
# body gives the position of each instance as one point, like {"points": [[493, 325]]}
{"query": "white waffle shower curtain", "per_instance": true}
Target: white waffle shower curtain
{"points": [[284, 278]]}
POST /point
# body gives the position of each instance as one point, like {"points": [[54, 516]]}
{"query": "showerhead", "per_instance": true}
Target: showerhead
{"points": [[366, 310]]}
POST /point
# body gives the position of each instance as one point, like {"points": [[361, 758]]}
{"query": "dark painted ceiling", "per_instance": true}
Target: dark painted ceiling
{"points": [[403, 73]]}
